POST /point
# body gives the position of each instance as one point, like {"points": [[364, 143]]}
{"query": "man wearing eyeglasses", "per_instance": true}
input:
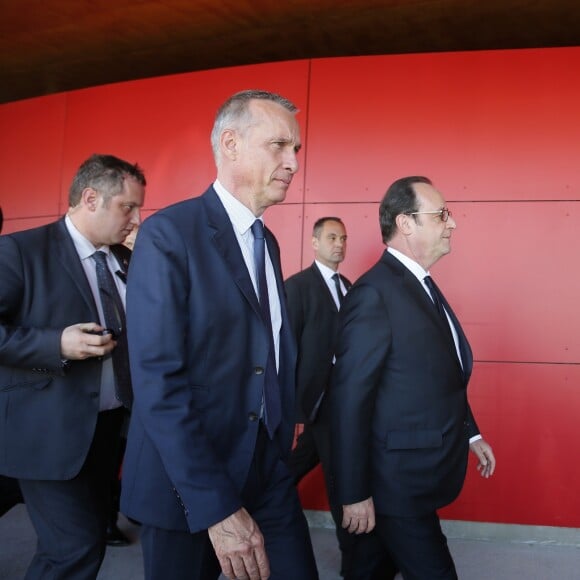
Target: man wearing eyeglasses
{"points": [[401, 422]]}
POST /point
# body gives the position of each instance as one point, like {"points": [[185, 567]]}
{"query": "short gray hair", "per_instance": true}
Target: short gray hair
{"points": [[235, 111]]}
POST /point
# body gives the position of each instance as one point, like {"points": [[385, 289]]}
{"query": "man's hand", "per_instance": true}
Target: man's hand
{"points": [[80, 341], [484, 453], [359, 518], [239, 546]]}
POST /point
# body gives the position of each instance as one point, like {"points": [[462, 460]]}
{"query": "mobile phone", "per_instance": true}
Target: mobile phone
{"points": [[103, 332]]}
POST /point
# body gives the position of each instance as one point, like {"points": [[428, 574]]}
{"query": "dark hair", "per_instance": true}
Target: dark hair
{"points": [[235, 109], [104, 173], [400, 198], [319, 224]]}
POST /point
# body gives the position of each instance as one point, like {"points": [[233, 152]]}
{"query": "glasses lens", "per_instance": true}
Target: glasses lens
{"points": [[445, 213]]}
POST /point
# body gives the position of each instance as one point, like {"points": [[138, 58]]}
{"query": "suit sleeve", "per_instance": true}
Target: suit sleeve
{"points": [[472, 428], [363, 345], [168, 404], [21, 346], [295, 309]]}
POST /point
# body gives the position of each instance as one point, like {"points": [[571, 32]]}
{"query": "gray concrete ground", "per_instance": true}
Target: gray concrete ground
{"points": [[481, 551]]}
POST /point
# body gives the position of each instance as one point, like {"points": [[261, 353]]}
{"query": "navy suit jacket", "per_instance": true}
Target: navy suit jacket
{"points": [[47, 414], [401, 419], [198, 349], [314, 320]]}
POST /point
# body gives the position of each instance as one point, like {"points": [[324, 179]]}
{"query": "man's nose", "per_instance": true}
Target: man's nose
{"points": [[136, 217], [291, 162]]}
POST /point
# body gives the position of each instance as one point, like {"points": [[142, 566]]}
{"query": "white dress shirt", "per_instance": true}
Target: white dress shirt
{"points": [[328, 273], [85, 249], [242, 219]]}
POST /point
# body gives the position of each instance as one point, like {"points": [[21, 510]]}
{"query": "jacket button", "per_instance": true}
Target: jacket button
{"points": [[252, 416], [259, 370]]}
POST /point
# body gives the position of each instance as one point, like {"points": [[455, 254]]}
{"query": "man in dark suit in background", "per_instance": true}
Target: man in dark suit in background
{"points": [[60, 413], [401, 423], [213, 362], [314, 298]]}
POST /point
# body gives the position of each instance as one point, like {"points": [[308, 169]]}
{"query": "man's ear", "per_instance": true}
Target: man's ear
{"points": [[90, 198], [404, 225], [314, 243], [229, 144]]}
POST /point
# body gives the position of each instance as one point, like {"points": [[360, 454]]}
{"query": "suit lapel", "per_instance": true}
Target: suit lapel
{"points": [[287, 345], [224, 238], [71, 264], [415, 289], [464, 348], [319, 280]]}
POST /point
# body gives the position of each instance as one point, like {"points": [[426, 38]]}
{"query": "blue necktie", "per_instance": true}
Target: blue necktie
{"points": [[272, 404], [114, 313], [339, 293]]}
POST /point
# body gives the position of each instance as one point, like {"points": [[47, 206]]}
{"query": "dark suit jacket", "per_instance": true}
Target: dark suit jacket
{"points": [[314, 321], [198, 349], [401, 419], [47, 415]]}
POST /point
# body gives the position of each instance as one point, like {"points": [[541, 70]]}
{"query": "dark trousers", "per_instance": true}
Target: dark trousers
{"points": [[418, 546], [116, 470], [270, 497], [363, 556], [70, 516]]}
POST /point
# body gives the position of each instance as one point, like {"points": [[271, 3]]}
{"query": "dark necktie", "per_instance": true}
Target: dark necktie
{"points": [[336, 278], [437, 299], [114, 313], [272, 404]]}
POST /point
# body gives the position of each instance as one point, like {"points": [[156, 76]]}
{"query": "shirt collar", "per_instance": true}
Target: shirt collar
{"points": [[410, 264], [240, 216], [327, 273], [84, 248]]}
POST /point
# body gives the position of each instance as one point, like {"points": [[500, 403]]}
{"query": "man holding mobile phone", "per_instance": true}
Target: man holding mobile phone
{"points": [[63, 379]]}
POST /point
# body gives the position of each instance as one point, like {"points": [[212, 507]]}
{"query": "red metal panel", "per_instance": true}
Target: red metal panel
{"points": [[529, 414], [16, 225], [485, 125], [164, 124], [312, 491], [285, 221], [511, 279], [30, 156]]}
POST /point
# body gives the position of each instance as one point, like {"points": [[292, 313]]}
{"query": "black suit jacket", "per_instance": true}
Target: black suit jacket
{"points": [[47, 414], [401, 420], [314, 321]]}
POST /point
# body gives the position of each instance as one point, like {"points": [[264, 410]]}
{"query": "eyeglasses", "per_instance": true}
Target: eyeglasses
{"points": [[442, 213]]}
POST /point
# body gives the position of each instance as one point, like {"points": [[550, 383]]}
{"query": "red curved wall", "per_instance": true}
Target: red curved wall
{"points": [[498, 132]]}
